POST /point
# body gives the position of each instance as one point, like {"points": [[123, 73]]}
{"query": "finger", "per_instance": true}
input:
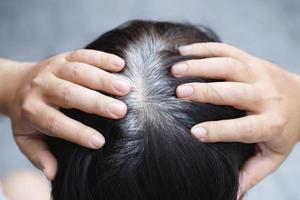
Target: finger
{"points": [[95, 78], [216, 68], [241, 196], [69, 95], [52, 122], [215, 49], [96, 58], [36, 150], [239, 95], [258, 167], [245, 129]]}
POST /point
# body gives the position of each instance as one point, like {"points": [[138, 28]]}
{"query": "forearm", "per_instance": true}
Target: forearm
{"points": [[11, 73], [297, 79]]}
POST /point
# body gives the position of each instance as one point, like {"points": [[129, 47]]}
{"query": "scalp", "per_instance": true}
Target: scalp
{"points": [[149, 154]]}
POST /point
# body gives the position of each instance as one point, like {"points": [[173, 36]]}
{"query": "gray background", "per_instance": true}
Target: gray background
{"points": [[32, 30]]}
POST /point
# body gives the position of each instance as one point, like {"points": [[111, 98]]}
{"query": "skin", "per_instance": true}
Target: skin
{"points": [[26, 185], [269, 94], [31, 94]]}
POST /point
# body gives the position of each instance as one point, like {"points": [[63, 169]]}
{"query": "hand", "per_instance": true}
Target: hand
{"points": [[62, 81], [269, 94]]}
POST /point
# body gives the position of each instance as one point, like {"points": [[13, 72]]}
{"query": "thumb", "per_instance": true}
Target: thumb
{"points": [[258, 167], [36, 150]]}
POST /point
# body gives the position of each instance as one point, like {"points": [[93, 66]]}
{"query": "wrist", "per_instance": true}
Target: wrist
{"points": [[297, 77], [11, 75], [296, 95]]}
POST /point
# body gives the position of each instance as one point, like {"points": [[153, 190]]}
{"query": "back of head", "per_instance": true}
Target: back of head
{"points": [[150, 154]]}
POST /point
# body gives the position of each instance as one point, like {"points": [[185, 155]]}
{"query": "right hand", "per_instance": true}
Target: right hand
{"points": [[63, 81], [269, 94]]}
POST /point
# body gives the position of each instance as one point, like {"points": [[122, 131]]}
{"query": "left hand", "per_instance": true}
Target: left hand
{"points": [[32, 93]]}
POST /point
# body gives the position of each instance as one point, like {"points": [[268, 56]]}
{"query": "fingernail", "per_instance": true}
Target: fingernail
{"points": [[184, 91], [200, 133], [116, 61], [117, 110], [121, 85], [185, 49], [96, 141], [179, 68]]}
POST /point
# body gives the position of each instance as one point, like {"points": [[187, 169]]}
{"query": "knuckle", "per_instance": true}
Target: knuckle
{"points": [[75, 72], [211, 128], [206, 90], [210, 93], [248, 72], [273, 97], [79, 53], [99, 105], [53, 65], [232, 65], [229, 47], [54, 61], [27, 105], [106, 58], [246, 131], [200, 90], [255, 98], [106, 82], [80, 135], [36, 82], [278, 123], [193, 65], [271, 127], [245, 93], [45, 64], [27, 101], [276, 97], [51, 124], [226, 46], [66, 94], [190, 63], [195, 45]]}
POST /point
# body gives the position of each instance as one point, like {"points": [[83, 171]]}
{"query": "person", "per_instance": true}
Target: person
{"points": [[24, 184], [267, 92], [38, 89], [270, 89], [150, 153]]}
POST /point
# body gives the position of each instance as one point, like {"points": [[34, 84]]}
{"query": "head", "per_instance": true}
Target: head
{"points": [[150, 154]]}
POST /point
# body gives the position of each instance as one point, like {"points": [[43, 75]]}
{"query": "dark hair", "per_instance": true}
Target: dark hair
{"points": [[150, 154]]}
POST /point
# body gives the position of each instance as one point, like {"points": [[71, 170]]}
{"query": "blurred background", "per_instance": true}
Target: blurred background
{"points": [[32, 30]]}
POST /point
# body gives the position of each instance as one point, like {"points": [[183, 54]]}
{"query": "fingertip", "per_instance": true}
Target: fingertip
{"points": [[117, 110], [118, 62], [199, 133], [48, 164], [97, 141], [184, 50], [184, 91], [179, 69], [123, 86]]}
